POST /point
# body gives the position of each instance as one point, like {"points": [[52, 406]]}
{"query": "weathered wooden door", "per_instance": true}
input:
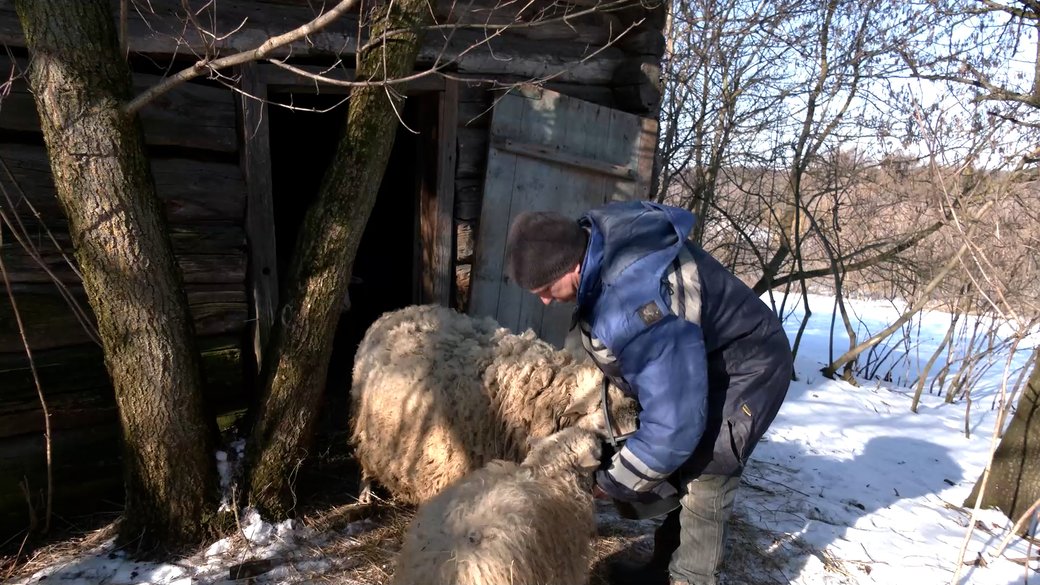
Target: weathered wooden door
{"points": [[550, 152]]}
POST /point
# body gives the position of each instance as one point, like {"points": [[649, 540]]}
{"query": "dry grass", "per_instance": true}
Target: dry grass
{"points": [[359, 544], [15, 566], [368, 556]]}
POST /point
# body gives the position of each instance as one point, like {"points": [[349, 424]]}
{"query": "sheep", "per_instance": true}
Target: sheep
{"points": [[509, 524], [437, 394]]}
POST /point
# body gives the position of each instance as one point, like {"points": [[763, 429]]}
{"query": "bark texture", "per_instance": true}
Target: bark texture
{"points": [[1014, 478], [121, 244], [296, 360]]}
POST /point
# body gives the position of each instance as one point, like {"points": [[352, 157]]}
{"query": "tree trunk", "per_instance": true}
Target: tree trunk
{"points": [[122, 246], [1014, 477], [296, 360]]}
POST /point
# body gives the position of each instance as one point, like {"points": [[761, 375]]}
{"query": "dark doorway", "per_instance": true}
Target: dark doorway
{"points": [[303, 144]]}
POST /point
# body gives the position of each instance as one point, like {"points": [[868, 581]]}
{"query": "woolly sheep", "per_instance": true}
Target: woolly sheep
{"points": [[509, 524], [437, 394]]}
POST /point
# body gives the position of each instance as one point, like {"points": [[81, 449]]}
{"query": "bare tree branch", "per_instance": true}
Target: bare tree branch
{"points": [[919, 304], [205, 65]]}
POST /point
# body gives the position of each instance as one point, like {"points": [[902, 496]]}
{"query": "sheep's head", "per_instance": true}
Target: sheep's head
{"points": [[572, 450], [585, 409]]}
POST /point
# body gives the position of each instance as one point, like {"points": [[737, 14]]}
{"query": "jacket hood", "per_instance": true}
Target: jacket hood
{"points": [[622, 233]]}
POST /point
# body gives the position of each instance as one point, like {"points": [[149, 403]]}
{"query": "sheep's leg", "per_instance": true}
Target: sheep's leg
{"points": [[364, 490]]}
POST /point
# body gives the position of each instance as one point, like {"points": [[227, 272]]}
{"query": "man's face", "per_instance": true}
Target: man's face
{"points": [[563, 289]]}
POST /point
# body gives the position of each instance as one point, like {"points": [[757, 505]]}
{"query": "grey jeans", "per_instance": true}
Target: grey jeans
{"points": [[692, 539]]}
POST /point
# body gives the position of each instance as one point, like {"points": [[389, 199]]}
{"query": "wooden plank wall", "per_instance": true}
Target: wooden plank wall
{"points": [[192, 139], [526, 50], [476, 100], [193, 136], [616, 78]]}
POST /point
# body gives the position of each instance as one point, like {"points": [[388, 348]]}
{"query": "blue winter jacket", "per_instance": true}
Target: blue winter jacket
{"points": [[707, 360]]}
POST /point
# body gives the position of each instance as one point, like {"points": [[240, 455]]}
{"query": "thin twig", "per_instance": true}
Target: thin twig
{"points": [[39, 391], [124, 46], [510, 26], [206, 65], [1014, 529], [994, 442], [32, 526], [347, 83], [20, 233], [238, 521]]}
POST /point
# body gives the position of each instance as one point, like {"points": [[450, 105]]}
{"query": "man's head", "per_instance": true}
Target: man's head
{"points": [[544, 252]]}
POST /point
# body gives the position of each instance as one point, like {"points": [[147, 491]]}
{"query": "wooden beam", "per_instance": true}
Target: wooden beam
{"points": [[260, 227], [215, 193], [637, 85], [159, 27], [215, 308], [561, 49], [444, 242], [512, 56], [281, 79], [90, 389], [437, 201], [646, 157], [557, 155], [206, 254], [192, 115]]}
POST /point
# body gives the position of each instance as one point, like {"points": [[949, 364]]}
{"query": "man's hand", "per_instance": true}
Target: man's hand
{"points": [[614, 490], [611, 489], [599, 494]]}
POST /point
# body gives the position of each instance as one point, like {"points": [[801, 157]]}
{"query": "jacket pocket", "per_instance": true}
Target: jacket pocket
{"points": [[740, 426]]}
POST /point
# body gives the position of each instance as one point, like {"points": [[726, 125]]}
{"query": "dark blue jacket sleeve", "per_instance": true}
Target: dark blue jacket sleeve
{"points": [[666, 365]]}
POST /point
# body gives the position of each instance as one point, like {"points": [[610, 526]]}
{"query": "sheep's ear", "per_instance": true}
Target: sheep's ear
{"points": [[577, 409], [500, 465], [581, 404], [531, 442], [568, 418], [590, 458]]}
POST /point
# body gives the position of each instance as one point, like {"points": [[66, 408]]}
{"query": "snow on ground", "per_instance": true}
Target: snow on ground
{"points": [[849, 487]]}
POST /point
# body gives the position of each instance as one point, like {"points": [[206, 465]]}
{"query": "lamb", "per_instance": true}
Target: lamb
{"points": [[437, 394], [509, 524]]}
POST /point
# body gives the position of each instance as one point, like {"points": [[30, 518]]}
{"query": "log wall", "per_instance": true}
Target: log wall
{"points": [[192, 137]]}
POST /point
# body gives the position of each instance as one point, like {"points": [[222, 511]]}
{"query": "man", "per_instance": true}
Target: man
{"points": [[707, 360]]}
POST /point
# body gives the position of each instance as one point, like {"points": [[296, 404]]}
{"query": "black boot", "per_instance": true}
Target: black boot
{"points": [[637, 573], [655, 570]]}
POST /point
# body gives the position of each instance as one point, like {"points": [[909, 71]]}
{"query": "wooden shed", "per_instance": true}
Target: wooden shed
{"points": [[235, 175]]}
